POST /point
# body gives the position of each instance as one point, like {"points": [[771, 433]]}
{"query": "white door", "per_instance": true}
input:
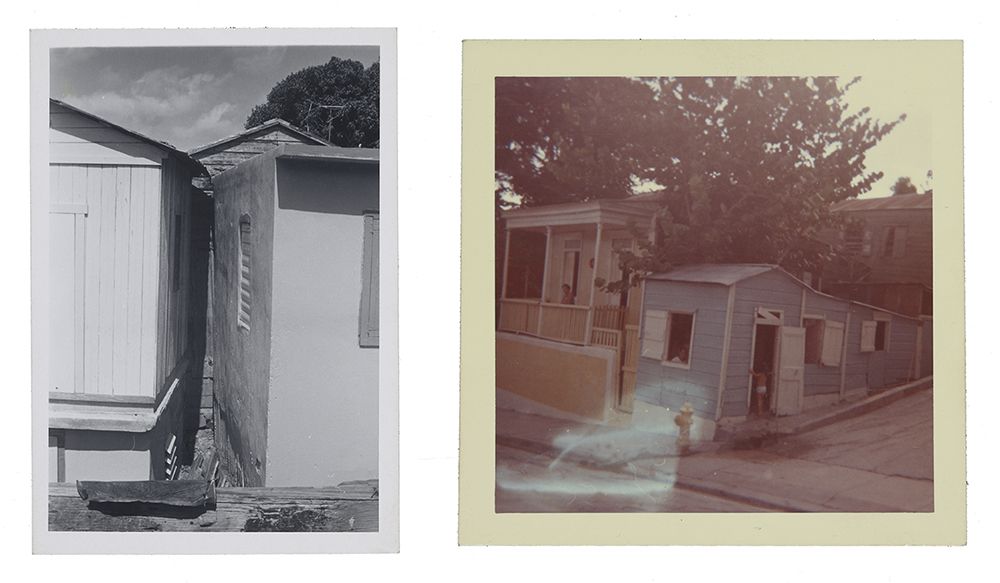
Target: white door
{"points": [[791, 370], [65, 300]]}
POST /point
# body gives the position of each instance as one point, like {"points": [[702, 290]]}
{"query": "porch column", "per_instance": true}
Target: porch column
{"points": [[545, 278], [593, 283], [506, 260]]}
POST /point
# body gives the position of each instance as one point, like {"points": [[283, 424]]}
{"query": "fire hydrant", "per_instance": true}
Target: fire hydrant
{"points": [[684, 420]]}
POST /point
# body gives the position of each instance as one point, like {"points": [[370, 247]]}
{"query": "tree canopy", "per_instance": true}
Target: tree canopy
{"points": [[748, 166], [904, 185], [337, 101]]}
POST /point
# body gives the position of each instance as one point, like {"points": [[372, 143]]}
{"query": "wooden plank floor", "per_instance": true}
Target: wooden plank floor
{"points": [[349, 507]]}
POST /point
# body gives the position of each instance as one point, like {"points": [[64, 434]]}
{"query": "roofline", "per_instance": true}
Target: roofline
{"points": [[266, 125], [796, 280], [558, 208], [158, 143], [332, 153]]}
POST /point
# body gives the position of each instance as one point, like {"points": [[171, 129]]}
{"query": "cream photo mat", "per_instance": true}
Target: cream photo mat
{"points": [[938, 63]]}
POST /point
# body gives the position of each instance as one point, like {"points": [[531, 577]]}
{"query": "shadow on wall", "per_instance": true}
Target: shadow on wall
{"points": [[306, 186], [199, 328]]}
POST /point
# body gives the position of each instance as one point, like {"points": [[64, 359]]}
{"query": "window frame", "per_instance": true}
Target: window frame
{"points": [[368, 312], [822, 338], [243, 305], [666, 340]]}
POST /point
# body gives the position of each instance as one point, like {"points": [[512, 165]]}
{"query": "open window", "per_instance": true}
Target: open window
{"points": [[894, 244], [667, 336], [875, 334], [815, 327], [680, 332]]}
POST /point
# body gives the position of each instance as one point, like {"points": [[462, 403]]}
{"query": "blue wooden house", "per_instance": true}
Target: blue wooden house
{"points": [[705, 327]]}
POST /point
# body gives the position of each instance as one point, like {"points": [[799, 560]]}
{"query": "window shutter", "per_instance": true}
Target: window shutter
{"points": [[368, 328], [833, 339], [653, 333], [868, 335]]}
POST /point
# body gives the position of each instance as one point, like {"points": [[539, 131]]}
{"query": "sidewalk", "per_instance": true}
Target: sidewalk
{"points": [[734, 469]]}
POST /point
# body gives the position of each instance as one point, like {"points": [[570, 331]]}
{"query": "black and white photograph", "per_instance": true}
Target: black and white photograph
{"points": [[214, 277]]}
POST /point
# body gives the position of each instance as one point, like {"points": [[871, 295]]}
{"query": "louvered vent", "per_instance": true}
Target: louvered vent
{"points": [[243, 315]]}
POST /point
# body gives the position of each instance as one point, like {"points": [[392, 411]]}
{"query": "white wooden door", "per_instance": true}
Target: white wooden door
{"points": [[791, 370], [66, 240]]}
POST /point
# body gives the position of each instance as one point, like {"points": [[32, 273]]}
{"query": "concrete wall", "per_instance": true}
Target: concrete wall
{"points": [[323, 400], [242, 358], [575, 379]]}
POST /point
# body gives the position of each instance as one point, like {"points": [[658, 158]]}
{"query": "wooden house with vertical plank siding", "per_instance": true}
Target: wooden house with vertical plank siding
{"points": [[119, 256]]}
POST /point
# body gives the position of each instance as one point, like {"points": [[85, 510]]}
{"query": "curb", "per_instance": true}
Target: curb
{"points": [[864, 406]]}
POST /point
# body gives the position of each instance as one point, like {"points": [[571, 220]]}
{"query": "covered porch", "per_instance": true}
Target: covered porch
{"points": [[555, 259]]}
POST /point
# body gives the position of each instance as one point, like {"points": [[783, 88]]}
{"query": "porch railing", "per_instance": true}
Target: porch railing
{"points": [[562, 322]]}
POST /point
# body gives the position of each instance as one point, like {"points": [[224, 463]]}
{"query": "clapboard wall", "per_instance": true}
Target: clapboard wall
{"points": [[670, 386], [119, 215]]}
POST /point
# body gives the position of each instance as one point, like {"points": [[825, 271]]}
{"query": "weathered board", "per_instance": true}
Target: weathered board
{"points": [[349, 507]]}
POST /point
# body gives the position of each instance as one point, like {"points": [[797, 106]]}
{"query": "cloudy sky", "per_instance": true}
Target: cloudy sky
{"points": [[187, 96]]}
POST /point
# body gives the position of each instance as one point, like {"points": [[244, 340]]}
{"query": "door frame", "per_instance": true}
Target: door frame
{"points": [[760, 320]]}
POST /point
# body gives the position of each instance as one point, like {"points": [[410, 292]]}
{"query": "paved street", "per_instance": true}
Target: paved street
{"points": [[526, 483], [877, 462]]}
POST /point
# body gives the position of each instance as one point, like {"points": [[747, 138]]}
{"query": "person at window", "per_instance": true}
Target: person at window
{"points": [[567, 295], [681, 356]]}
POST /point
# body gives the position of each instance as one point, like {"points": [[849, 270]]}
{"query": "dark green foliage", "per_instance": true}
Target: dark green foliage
{"points": [[904, 185], [749, 166], [337, 101]]}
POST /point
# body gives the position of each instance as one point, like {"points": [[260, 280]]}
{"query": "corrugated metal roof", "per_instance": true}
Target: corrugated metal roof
{"points": [[722, 274], [900, 202]]}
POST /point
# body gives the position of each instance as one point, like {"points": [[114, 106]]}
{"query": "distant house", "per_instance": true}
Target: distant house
{"points": [[890, 253], [704, 327], [296, 316], [223, 154], [119, 293]]}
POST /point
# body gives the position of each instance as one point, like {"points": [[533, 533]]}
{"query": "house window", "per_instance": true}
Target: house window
{"points": [[368, 327], [667, 337], [680, 331], [245, 250], [881, 331], [875, 335], [814, 339], [895, 242]]}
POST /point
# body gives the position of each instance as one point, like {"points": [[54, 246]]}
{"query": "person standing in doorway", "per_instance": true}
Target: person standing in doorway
{"points": [[759, 390]]}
